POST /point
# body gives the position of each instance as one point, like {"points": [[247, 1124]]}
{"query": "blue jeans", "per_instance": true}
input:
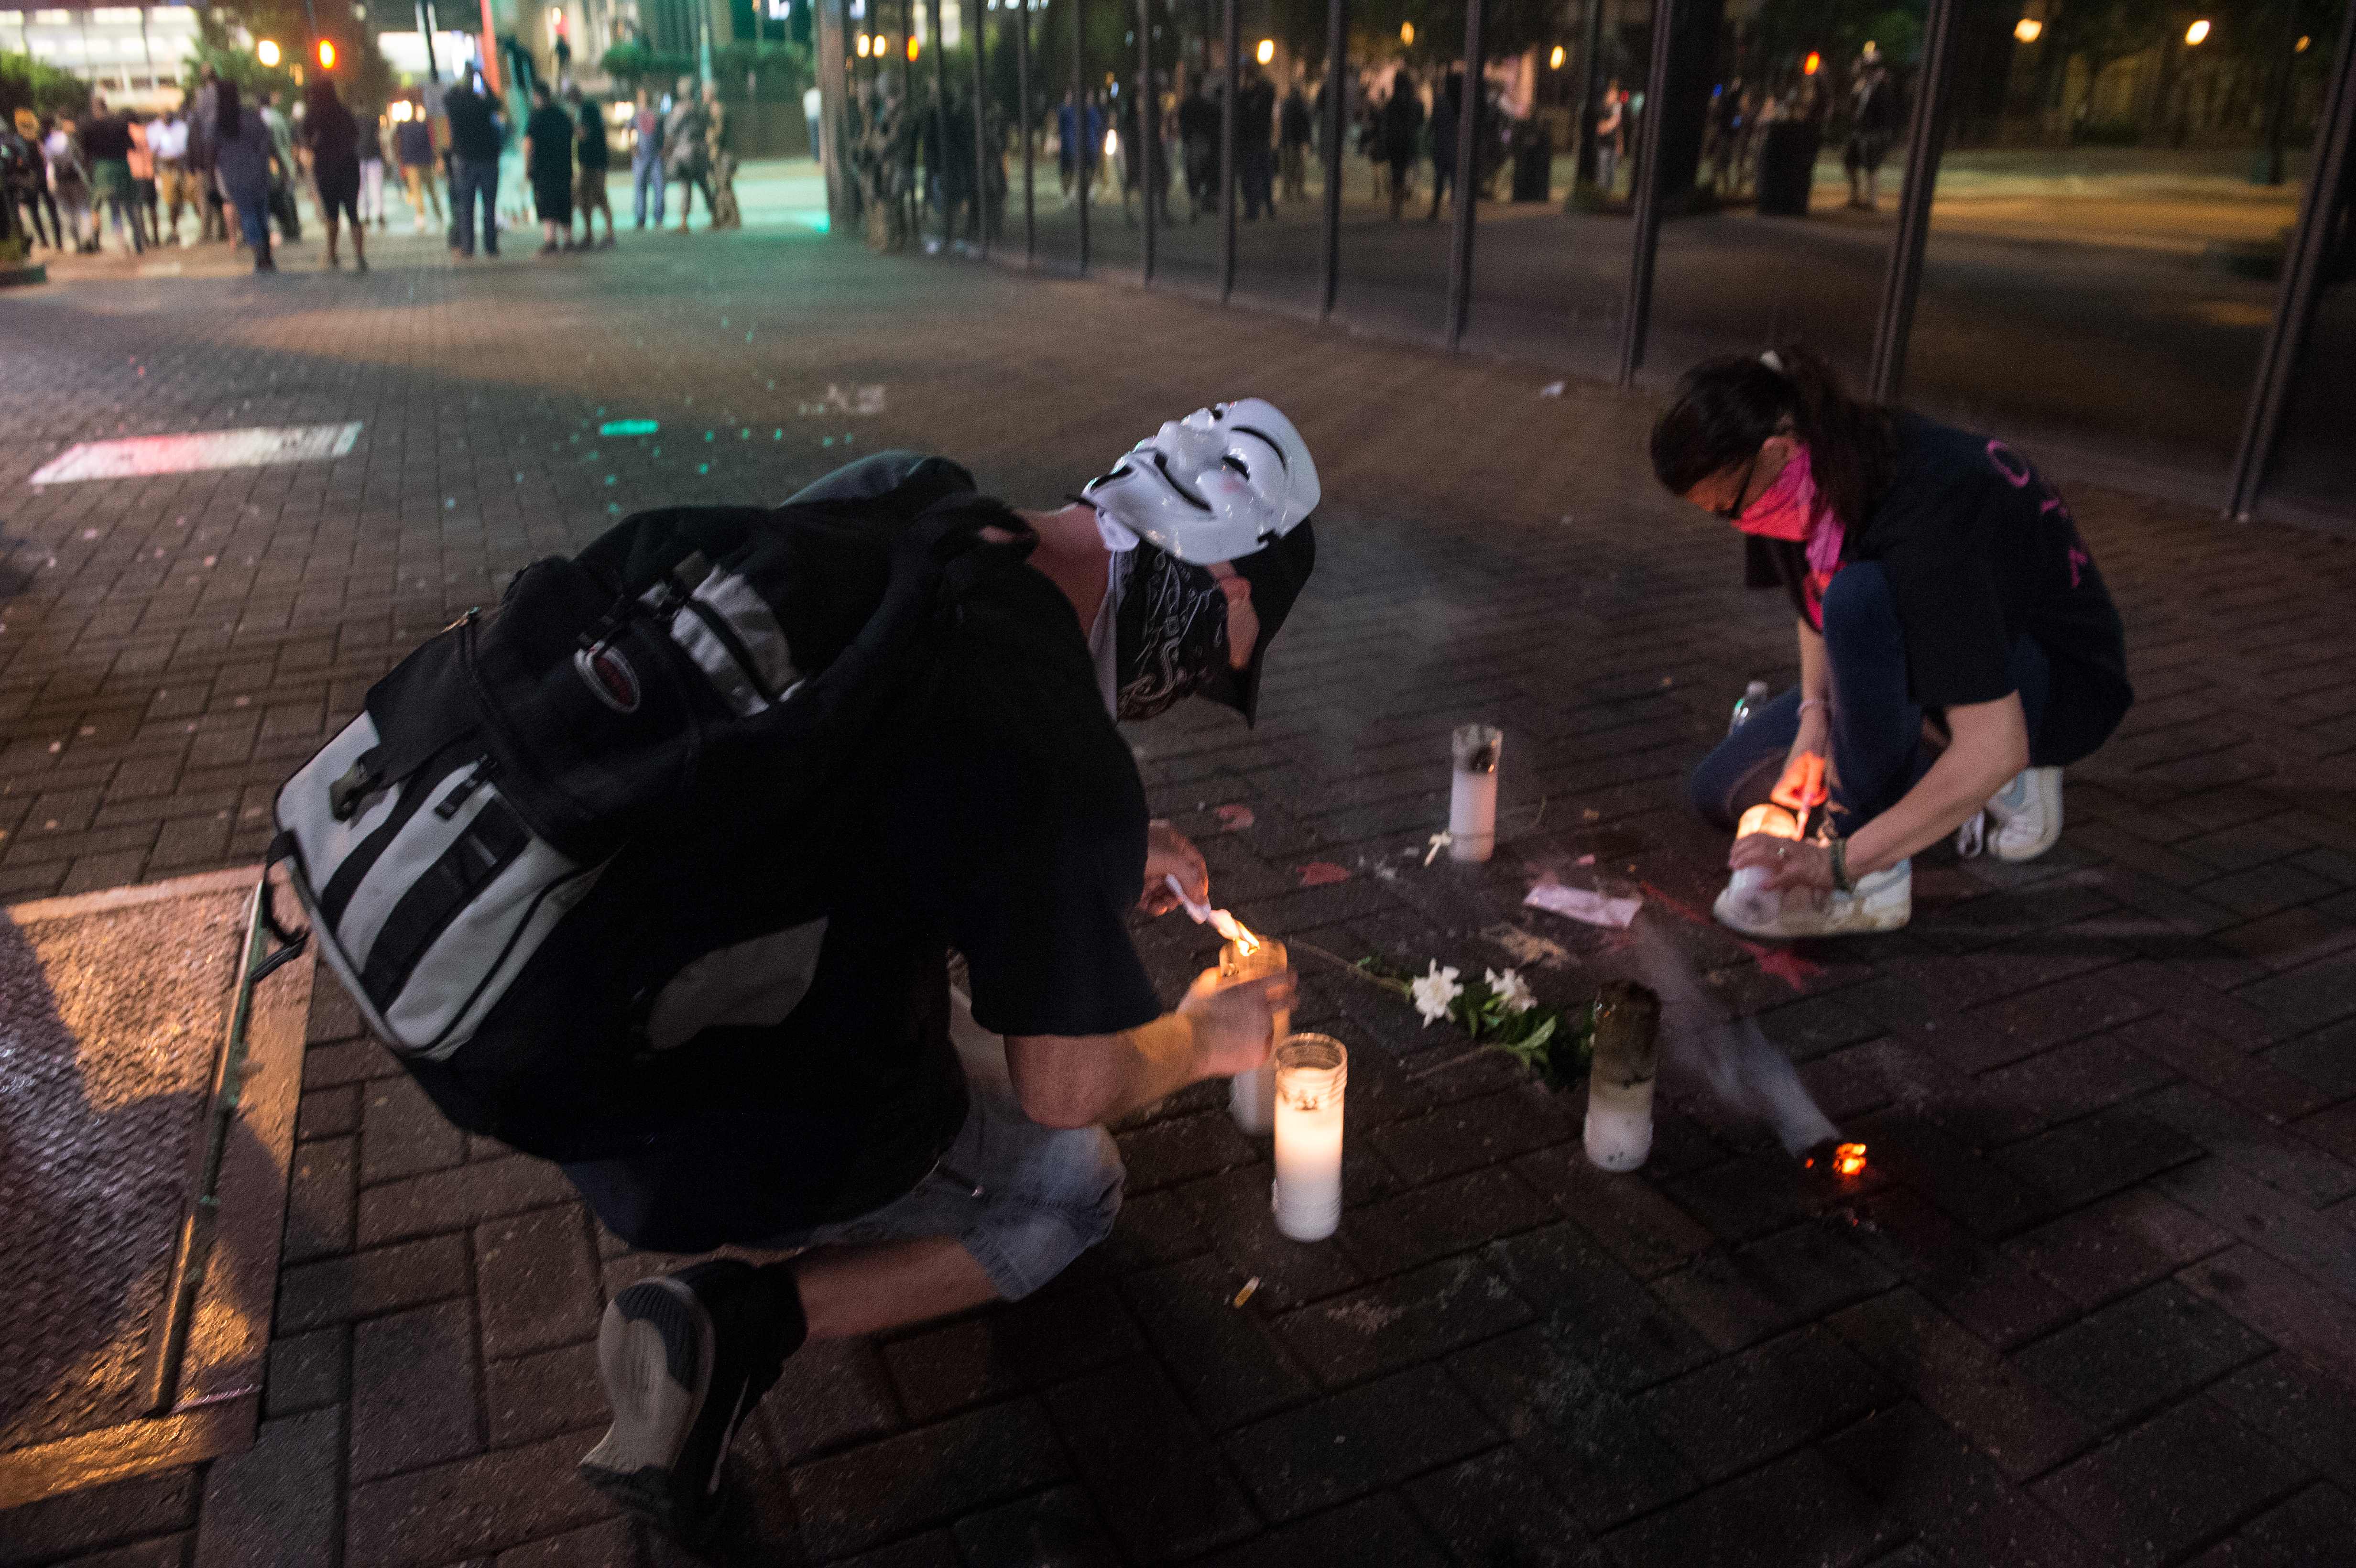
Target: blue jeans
{"points": [[645, 173], [1876, 726], [473, 180], [252, 206]]}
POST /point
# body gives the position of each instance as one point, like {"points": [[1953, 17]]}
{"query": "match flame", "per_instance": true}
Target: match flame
{"points": [[1247, 943], [1772, 820]]}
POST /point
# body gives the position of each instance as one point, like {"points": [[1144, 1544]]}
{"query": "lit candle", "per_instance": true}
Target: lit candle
{"points": [[1251, 1096], [1620, 1078], [1473, 794], [1311, 1072]]}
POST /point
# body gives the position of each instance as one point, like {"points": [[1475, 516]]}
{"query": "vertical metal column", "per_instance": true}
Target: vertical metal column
{"points": [[1590, 66], [1646, 242], [1022, 114], [1149, 129], [1081, 154], [1925, 140], [1337, 128], [1232, 31], [984, 218], [940, 177], [912, 203], [1467, 122], [834, 101], [2302, 280]]}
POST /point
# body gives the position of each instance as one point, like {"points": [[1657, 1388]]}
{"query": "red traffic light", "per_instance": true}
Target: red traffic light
{"points": [[326, 55], [1810, 66]]}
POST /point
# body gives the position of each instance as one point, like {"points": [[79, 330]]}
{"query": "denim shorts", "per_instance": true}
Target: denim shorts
{"points": [[1024, 1199]]}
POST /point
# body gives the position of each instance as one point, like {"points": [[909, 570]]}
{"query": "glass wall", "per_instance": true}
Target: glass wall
{"points": [[2315, 464], [2113, 214], [1280, 179], [1070, 132], [1550, 252], [1394, 261], [1782, 156]]}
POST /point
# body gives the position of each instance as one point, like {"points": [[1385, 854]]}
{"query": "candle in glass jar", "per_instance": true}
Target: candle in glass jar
{"points": [[1620, 1078], [1251, 1096], [1472, 792], [1312, 1071]]}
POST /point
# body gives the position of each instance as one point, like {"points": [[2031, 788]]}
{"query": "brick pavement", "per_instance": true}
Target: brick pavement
{"points": [[2095, 1302]]}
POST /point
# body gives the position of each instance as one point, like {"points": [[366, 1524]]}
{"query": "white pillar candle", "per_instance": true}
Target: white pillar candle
{"points": [[1312, 1071], [1620, 1078], [1473, 793], [1251, 1096]]}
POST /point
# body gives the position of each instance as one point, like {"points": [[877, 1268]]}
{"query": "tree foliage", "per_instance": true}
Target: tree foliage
{"points": [[28, 83]]}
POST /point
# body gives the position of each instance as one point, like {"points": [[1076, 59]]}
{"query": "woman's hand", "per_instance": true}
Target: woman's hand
{"points": [[1788, 862], [1802, 788], [1167, 854]]}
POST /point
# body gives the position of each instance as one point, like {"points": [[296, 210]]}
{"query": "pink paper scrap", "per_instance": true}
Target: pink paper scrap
{"points": [[1580, 904]]}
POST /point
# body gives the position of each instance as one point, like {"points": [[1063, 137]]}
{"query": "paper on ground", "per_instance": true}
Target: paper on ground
{"points": [[1578, 903], [145, 454]]}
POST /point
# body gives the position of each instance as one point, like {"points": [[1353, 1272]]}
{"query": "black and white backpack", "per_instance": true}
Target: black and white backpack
{"points": [[491, 854]]}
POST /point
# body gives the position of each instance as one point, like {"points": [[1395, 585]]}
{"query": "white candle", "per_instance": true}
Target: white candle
{"points": [[1473, 793], [1312, 1071], [1620, 1078], [1251, 1096]]}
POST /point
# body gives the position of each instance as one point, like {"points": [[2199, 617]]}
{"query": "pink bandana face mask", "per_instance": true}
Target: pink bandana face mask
{"points": [[1791, 509]]}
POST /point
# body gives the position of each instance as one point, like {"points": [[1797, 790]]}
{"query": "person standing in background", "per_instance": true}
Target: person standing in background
{"points": [[477, 137], [596, 155], [1293, 130], [1256, 143], [282, 189], [1610, 128], [216, 107], [371, 168], [143, 179], [646, 159], [168, 144], [244, 152], [548, 138], [69, 182], [25, 181], [412, 148], [1447, 119], [332, 135], [812, 105], [1399, 127], [687, 153], [720, 145], [106, 148]]}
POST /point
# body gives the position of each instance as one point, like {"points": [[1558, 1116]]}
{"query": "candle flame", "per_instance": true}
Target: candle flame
{"points": [[1246, 943], [1772, 820]]}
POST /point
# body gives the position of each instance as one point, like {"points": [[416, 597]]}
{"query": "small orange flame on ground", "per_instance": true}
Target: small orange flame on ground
{"points": [[1849, 1159]]}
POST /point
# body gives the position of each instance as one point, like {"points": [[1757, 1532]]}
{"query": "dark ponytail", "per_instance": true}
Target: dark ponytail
{"points": [[1726, 409]]}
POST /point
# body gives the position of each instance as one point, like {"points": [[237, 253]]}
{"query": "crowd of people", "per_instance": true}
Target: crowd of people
{"points": [[235, 166]]}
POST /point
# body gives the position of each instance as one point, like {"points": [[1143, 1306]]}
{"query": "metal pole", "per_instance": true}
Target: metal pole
{"points": [[1591, 66], [983, 220], [1149, 129], [834, 94], [1925, 140], [1468, 158], [1023, 113], [1233, 32], [1338, 102], [426, 31], [940, 176], [911, 200], [1086, 153], [2302, 278], [1646, 240]]}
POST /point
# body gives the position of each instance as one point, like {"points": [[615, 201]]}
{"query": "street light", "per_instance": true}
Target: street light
{"points": [[266, 51], [2195, 35], [1267, 51], [2027, 29], [1812, 64], [912, 46], [861, 45], [326, 55], [1407, 32]]}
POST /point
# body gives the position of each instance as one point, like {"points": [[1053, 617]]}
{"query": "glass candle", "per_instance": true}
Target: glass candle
{"points": [[1473, 793], [1620, 1080], [1251, 1096], [1311, 1072]]}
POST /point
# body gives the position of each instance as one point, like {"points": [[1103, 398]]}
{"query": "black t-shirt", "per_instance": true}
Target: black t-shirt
{"points": [[1980, 551], [332, 136], [474, 133], [1004, 817], [550, 131], [106, 139], [596, 152], [412, 142]]}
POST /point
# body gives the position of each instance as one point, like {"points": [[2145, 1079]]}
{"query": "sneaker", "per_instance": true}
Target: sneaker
{"points": [[683, 1357], [2022, 820], [1882, 902]]}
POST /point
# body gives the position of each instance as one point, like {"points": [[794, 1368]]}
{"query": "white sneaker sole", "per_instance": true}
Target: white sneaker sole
{"points": [[1737, 910], [641, 1354], [2045, 784]]}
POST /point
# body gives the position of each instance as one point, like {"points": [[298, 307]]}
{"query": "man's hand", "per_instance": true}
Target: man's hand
{"points": [[1234, 1022], [1168, 854]]}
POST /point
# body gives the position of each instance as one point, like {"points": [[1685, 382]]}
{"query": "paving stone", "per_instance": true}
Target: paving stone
{"points": [[1429, 1222], [1235, 1216], [831, 1393], [402, 1134], [2169, 1483], [1226, 1362], [367, 1284], [161, 1552], [457, 1198], [538, 1395], [1378, 1529], [2120, 1244], [1494, 1509], [1056, 1529], [1371, 1436], [58, 1526], [2268, 1220], [443, 1513], [1182, 1147], [413, 1391], [2136, 1355], [1396, 1322], [1647, 1233], [2020, 1424], [2094, 1157], [1745, 1410], [1473, 1132], [276, 1503], [536, 1283], [1585, 1437], [2300, 1410], [609, 1545], [1929, 1480], [2295, 1165], [1980, 1286], [1583, 1297], [2285, 1305], [319, 1200], [1164, 1488], [1797, 1502], [891, 1488], [328, 1114], [307, 1371]]}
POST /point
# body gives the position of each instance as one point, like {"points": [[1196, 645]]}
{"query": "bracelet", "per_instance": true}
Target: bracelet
{"points": [[1841, 884], [1808, 702]]}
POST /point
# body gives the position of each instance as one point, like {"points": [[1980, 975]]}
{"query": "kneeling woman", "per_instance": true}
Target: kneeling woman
{"points": [[1957, 648]]}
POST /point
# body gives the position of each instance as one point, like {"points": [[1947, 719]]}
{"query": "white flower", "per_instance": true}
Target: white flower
{"points": [[1434, 992], [1511, 989]]}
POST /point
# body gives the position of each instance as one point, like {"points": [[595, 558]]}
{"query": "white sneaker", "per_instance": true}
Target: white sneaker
{"points": [[1882, 902], [2022, 820]]}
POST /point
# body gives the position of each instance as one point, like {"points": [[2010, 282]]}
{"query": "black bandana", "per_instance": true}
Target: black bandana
{"points": [[1170, 634]]}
